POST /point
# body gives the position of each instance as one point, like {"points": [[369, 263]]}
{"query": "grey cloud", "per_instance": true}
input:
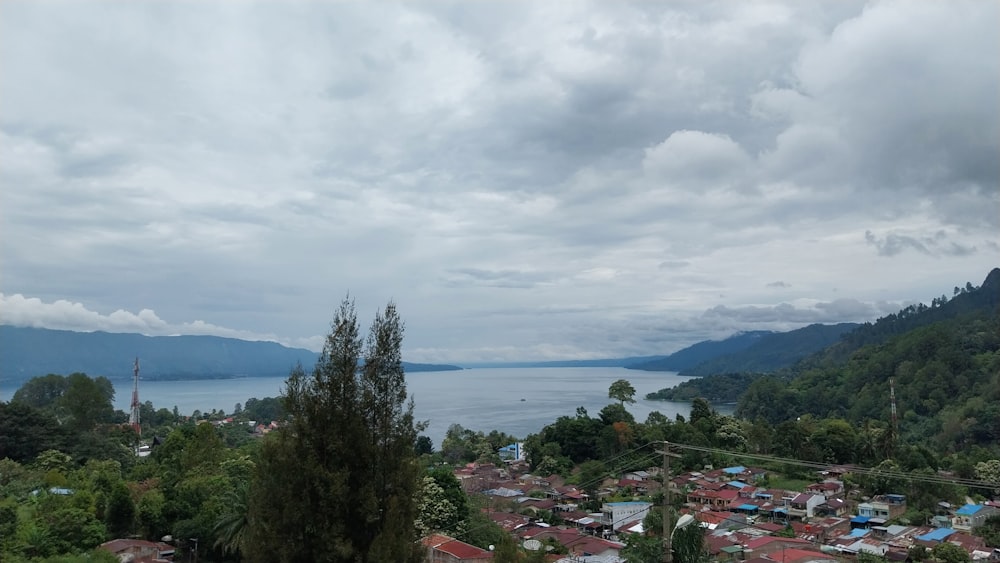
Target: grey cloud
{"points": [[892, 244], [839, 310], [498, 278], [937, 244], [779, 284], [607, 160]]}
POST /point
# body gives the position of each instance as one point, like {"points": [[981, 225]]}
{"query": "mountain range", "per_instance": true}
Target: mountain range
{"points": [[29, 352]]}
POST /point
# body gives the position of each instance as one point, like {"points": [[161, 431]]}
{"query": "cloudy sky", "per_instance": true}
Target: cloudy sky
{"points": [[527, 180]]}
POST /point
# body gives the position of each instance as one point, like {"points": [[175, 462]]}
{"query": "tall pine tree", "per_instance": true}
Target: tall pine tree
{"points": [[339, 481]]}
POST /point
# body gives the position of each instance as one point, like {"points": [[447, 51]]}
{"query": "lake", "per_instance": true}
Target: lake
{"points": [[518, 401]]}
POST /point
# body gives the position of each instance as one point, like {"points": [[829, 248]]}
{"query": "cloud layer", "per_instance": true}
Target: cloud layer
{"points": [[527, 180]]}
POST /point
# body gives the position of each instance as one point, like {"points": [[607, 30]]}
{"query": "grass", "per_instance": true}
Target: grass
{"points": [[787, 483]]}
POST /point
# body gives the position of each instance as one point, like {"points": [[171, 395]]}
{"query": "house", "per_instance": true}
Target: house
{"points": [[833, 507], [616, 514], [972, 516], [512, 452], [798, 555], [768, 545], [577, 543], [139, 551], [933, 537], [721, 520], [445, 549], [804, 505], [637, 475], [830, 488], [884, 507], [712, 498]]}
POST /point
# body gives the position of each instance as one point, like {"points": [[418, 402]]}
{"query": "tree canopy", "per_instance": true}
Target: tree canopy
{"points": [[339, 481]]}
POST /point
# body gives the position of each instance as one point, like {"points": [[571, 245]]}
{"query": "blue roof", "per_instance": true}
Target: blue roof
{"points": [[737, 484], [747, 507], [735, 470], [936, 535], [859, 532], [781, 510], [860, 520], [969, 509]]}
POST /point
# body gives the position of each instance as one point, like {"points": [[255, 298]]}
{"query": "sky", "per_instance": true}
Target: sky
{"points": [[525, 180]]}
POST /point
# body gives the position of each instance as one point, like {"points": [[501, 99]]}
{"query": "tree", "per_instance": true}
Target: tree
{"points": [[424, 445], [688, 545], [339, 482], [950, 553], [233, 525], [623, 391]]}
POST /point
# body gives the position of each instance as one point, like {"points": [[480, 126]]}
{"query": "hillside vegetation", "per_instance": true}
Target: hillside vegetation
{"points": [[775, 351], [704, 351], [960, 313]]}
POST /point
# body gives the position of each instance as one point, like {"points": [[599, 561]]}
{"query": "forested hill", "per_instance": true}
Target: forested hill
{"points": [[965, 299], [944, 359], [775, 351], [695, 354], [730, 382], [29, 352], [756, 351]]}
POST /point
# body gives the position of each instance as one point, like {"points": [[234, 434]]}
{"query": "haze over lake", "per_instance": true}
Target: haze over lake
{"points": [[479, 399]]}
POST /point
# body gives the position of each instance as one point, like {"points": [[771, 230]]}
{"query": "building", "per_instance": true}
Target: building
{"points": [[804, 505], [885, 507], [137, 551], [972, 516], [617, 514], [446, 549]]}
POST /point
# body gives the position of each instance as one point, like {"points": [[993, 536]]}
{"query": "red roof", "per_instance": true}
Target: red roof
{"points": [[789, 555], [764, 540], [455, 548]]}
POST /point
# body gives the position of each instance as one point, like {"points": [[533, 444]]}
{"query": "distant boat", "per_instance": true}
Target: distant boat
{"points": [[522, 399]]}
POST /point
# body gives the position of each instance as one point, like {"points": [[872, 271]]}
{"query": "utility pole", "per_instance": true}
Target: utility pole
{"points": [[668, 528]]}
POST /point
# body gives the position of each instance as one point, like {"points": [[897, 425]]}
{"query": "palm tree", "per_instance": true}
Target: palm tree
{"points": [[232, 527]]}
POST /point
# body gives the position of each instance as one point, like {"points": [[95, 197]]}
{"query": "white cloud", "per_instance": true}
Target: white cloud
{"points": [[18, 310]]}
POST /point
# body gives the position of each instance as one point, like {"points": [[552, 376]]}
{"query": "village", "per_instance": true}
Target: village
{"points": [[741, 519]]}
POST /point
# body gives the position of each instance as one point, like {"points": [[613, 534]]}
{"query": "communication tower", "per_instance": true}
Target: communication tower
{"points": [[133, 417]]}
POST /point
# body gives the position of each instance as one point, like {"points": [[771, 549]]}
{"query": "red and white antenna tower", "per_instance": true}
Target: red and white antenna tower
{"points": [[133, 417]]}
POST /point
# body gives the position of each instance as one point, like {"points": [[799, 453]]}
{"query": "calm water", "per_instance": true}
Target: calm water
{"points": [[479, 399]]}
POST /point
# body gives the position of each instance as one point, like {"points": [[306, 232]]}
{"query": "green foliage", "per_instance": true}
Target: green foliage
{"points": [[990, 531], [461, 445], [641, 548], [688, 545], [946, 552], [776, 351], [947, 388], [232, 528], [121, 512], [721, 388], [26, 431], [342, 476], [442, 504], [622, 391]]}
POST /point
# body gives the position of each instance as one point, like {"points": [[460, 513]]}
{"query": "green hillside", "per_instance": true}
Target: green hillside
{"points": [[775, 351], [707, 350], [945, 362]]}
